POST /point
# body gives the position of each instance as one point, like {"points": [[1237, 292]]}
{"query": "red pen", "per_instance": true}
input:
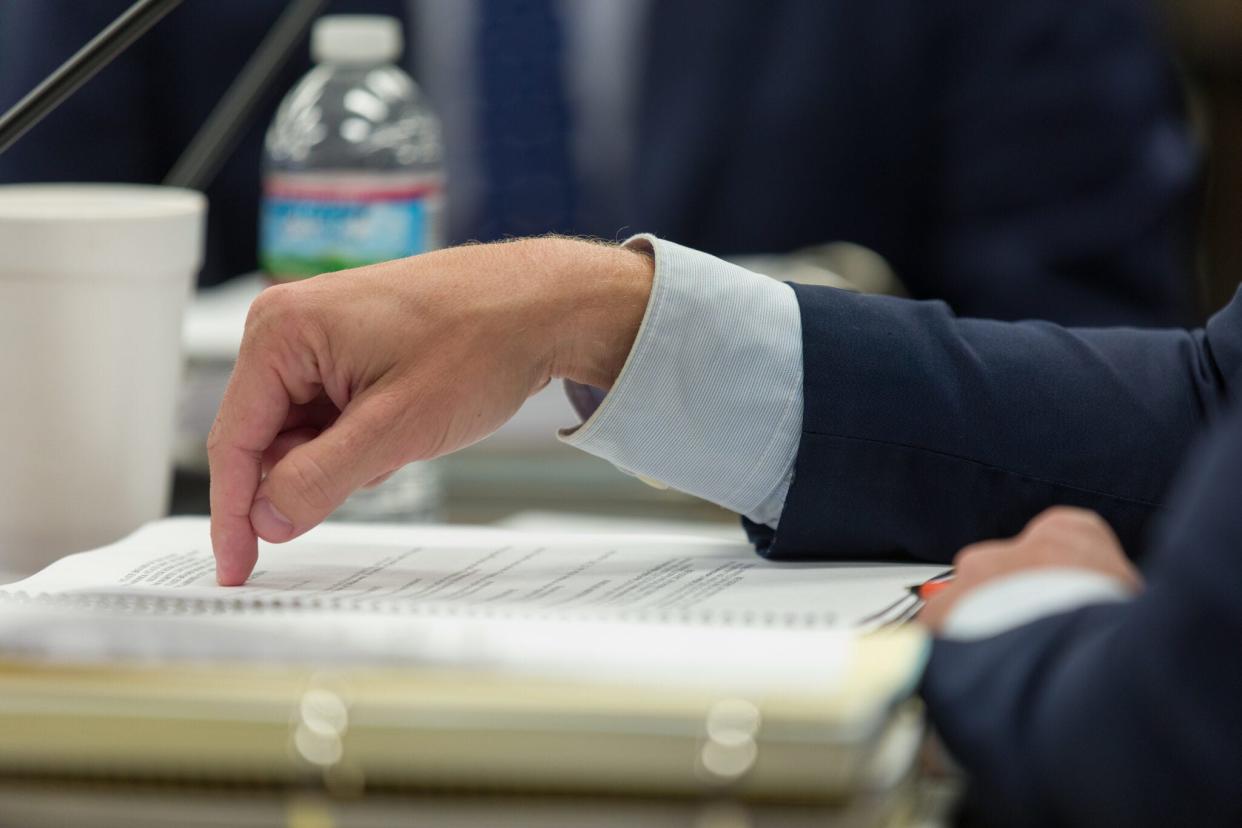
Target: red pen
{"points": [[931, 586]]}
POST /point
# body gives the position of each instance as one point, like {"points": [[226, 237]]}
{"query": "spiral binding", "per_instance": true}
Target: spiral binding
{"points": [[172, 605]]}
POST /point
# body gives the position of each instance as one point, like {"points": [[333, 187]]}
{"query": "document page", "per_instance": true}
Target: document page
{"points": [[479, 573]]}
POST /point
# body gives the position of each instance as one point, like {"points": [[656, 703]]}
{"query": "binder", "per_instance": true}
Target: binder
{"points": [[353, 729]]}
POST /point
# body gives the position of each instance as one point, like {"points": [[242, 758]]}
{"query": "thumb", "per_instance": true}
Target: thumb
{"points": [[309, 482]]}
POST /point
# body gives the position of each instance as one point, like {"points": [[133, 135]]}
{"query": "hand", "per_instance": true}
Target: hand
{"points": [[344, 378], [1060, 537]]}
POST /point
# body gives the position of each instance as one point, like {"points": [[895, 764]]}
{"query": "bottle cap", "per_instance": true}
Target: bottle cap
{"points": [[356, 38]]}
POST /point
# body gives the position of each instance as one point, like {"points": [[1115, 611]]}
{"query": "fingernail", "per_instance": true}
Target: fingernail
{"points": [[269, 523]]}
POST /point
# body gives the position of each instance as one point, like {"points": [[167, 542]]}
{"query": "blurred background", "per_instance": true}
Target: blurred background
{"points": [[1078, 162], [1206, 37]]}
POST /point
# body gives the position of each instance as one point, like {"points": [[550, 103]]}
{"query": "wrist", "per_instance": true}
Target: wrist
{"points": [[604, 291]]}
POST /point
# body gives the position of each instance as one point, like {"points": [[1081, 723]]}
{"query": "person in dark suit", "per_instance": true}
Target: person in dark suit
{"points": [[1118, 708], [842, 427], [1079, 704], [1018, 159]]}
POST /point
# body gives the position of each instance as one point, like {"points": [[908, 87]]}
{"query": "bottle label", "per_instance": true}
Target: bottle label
{"points": [[319, 222]]}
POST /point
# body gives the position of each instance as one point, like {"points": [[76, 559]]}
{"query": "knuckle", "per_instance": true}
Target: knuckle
{"points": [[978, 559], [1073, 521], [309, 484], [214, 438], [1095, 521], [263, 307], [968, 558], [277, 308], [1056, 519], [1071, 515]]}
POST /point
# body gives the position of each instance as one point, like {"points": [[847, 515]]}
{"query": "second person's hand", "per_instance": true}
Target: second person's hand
{"points": [[1059, 538], [344, 378]]}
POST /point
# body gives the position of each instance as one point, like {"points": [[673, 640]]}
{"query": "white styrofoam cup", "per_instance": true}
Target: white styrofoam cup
{"points": [[94, 280]]}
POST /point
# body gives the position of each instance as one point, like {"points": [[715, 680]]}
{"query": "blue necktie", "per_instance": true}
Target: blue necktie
{"points": [[524, 120]]}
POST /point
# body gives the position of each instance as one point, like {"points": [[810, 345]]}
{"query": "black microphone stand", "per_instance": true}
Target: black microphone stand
{"points": [[218, 135], [80, 68]]}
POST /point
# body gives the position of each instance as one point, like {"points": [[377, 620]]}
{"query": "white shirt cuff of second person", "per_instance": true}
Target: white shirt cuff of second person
{"points": [[1024, 597], [709, 401]]}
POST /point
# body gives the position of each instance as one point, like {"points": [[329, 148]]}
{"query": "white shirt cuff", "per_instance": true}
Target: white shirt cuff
{"points": [[1024, 597], [709, 401]]}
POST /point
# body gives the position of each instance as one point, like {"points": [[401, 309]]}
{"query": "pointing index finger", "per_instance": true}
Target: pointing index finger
{"points": [[254, 408]]}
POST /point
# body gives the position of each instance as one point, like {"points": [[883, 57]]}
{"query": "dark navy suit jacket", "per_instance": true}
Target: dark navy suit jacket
{"points": [[1020, 158], [923, 432], [1117, 714]]}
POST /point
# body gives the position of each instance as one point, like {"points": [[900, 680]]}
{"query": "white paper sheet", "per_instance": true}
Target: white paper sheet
{"points": [[479, 573]]}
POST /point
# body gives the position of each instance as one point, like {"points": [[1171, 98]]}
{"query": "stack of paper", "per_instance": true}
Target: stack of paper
{"points": [[464, 659]]}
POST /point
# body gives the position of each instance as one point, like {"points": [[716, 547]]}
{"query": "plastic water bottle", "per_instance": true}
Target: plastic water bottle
{"points": [[353, 172], [353, 175]]}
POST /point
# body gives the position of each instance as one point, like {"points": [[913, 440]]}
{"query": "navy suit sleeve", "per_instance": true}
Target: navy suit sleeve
{"points": [[923, 432], [1121, 714]]}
